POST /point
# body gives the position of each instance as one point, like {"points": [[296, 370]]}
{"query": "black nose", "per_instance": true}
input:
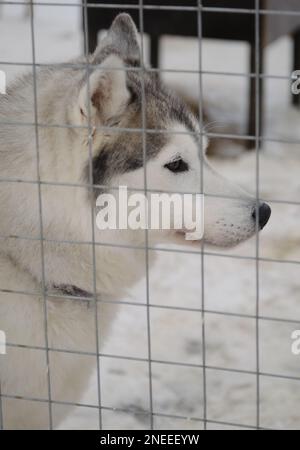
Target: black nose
{"points": [[264, 214]]}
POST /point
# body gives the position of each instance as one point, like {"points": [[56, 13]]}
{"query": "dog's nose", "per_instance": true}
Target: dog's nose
{"points": [[264, 214]]}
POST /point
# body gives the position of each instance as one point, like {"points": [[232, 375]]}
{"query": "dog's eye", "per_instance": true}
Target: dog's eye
{"points": [[177, 166]]}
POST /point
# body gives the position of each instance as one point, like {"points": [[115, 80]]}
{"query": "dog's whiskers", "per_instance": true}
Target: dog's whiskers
{"points": [[213, 125]]}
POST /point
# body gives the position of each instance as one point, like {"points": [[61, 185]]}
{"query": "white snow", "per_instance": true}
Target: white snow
{"points": [[230, 284]]}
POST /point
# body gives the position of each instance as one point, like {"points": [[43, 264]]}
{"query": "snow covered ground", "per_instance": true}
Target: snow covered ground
{"points": [[230, 284]]}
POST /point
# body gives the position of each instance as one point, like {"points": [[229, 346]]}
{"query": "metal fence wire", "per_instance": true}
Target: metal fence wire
{"points": [[204, 420]]}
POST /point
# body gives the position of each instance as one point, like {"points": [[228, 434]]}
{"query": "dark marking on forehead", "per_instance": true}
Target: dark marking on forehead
{"points": [[181, 114], [125, 155]]}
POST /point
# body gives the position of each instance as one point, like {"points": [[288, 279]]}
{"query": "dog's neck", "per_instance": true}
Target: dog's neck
{"points": [[69, 271]]}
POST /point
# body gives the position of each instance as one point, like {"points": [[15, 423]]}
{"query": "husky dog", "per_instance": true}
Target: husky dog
{"points": [[88, 140]]}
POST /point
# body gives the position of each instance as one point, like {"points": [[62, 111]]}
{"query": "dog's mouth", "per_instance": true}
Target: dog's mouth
{"points": [[182, 237]]}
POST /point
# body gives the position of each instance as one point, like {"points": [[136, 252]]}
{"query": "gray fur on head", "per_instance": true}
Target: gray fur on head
{"points": [[123, 37]]}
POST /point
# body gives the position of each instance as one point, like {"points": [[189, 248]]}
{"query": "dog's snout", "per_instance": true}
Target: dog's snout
{"points": [[264, 214]]}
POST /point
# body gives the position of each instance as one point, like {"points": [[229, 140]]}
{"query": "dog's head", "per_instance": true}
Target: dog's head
{"points": [[117, 100]]}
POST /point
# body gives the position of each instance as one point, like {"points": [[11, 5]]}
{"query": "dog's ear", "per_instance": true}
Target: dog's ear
{"points": [[104, 95], [122, 36]]}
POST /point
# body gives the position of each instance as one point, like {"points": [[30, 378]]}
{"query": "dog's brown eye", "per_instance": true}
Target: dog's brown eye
{"points": [[177, 166]]}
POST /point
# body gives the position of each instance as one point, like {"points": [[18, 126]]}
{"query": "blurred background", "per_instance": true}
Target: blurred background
{"points": [[231, 284]]}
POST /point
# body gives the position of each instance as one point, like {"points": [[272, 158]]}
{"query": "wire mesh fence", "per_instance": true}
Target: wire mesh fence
{"points": [[259, 11]]}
